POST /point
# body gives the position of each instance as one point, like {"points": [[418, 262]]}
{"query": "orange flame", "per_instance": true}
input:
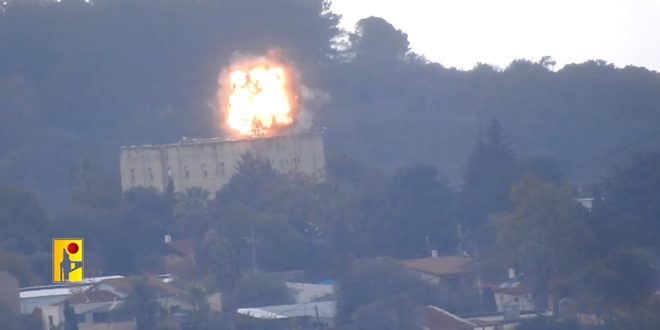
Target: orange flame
{"points": [[258, 97]]}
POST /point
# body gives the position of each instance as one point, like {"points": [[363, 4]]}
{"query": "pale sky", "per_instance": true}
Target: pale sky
{"points": [[460, 33]]}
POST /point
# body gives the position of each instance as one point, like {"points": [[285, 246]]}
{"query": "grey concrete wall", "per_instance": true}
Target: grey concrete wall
{"points": [[209, 164], [9, 292]]}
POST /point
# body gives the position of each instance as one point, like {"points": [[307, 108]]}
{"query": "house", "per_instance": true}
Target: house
{"points": [[514, 295], [46, 295], [307, 292], [170, 296], [314, 315], [435, 268], [95, 310], [436, 318], [99, 306], [587, 202], [178, 257], [9, 292]]}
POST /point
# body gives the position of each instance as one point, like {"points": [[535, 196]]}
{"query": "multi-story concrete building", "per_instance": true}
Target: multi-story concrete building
{"points": [[210, 163]]}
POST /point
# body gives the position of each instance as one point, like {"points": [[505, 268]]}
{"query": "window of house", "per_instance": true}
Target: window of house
{"points": [[187, 172], [222, 169], [132, 175], [151, 175], [204, 171]]}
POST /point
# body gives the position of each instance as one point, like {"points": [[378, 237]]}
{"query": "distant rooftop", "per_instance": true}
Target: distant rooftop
{"points": [[63, 289], [439, 266], [325, 309]]}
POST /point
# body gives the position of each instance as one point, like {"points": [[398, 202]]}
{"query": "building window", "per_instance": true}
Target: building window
{"points": [[222, 169], [133, 175], [187, 172], [151, 175], [206, 173]]}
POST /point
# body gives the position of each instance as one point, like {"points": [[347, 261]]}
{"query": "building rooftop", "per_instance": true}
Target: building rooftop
{"points": [[194, 141], [63, 289], [162, 286], [438, 266], [435, 318], [92, 296], [325, 309]]}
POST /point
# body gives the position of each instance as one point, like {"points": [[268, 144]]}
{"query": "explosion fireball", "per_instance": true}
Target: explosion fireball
{"points": [[257, 96]]}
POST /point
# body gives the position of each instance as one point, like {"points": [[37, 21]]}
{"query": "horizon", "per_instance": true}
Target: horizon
{"points": [[621, 33]]}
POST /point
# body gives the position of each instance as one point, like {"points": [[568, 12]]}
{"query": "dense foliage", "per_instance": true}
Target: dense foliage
{"points": [[79, 79], [420, 158]]}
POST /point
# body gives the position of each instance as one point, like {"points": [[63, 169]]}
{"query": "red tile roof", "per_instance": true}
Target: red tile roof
{"points": [[438, 266]]}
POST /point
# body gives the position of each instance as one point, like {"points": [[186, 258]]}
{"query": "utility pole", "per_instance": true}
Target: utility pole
{"points": [[428, 246], [461, 243], [478, 271], [252, 241]]}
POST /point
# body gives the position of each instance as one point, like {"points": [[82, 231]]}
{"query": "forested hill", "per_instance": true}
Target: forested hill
{"points": [[78, 80]]}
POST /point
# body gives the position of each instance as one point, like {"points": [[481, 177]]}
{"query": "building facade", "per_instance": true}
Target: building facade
{"points": [[210, 163]]}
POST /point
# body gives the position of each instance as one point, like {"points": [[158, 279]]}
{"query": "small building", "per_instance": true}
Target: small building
{"points": [[178, 257], [514, 295], [308, 292], [587, 202], [168, 295], [95, 310], [46, 295], [100, 305]]}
